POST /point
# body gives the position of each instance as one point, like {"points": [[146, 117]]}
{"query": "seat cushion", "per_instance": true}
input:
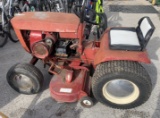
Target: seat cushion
{"points": [[124, 39]]}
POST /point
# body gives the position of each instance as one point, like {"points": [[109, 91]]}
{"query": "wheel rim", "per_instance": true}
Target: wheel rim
{"points": [[22, 83], [87, 102], [120, 91]]}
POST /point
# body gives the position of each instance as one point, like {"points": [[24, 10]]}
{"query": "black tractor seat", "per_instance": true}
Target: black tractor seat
{"points": [[132, 39]]}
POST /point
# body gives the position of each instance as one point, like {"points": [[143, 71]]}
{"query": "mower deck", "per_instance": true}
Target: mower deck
{"points": [[63, 91]]}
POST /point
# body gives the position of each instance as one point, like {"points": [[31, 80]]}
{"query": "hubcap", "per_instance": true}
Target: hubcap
{"points": [[87, 102], [120, 91], [22, 82]]}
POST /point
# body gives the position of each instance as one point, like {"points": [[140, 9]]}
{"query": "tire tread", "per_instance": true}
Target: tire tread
{"points": [[118, 67]]}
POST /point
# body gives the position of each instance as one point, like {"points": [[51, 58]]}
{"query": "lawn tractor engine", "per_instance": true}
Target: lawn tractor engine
{"points": [[44, 44], [64, 48]]}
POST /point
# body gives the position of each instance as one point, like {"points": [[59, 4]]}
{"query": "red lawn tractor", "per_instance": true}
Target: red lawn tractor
{"points": [[108, 68]]}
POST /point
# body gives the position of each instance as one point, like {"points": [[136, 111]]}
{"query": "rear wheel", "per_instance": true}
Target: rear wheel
{"points": [[25, 78], [121, 84]]}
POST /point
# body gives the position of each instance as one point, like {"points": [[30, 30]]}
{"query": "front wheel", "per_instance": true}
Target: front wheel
{"points": [[25, 78], [87, 102], [121, 84]]}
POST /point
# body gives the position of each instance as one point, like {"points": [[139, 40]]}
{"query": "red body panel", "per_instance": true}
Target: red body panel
{"points": [[46, 21], [105, 54], [35, 36], [69, 26]]}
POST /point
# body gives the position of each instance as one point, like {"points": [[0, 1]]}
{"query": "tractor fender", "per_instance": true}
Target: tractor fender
{"points": [[106, 54]]}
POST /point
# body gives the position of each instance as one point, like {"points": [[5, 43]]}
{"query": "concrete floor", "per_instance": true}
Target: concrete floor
{"points": [[42, 106]]}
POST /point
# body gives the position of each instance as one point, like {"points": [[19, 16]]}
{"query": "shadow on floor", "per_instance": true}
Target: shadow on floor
{"points": [[48, 108], [153, 47], [156, 113]]}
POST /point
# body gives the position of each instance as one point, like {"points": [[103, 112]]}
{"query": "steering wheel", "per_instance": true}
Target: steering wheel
{"points": [[82, 13]]}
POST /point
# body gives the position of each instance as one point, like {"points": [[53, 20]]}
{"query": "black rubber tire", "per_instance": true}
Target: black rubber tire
{"points": [[30, 71], [88, 99], [103, 25], [3, 38], [128, 70], [12, 35], [43, 5], [47, 6], [8, 28], [3, 33]]}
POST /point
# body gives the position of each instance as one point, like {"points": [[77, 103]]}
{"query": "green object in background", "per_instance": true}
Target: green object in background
{"points": [[155, 2], [158, 2], [99, 9]]}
